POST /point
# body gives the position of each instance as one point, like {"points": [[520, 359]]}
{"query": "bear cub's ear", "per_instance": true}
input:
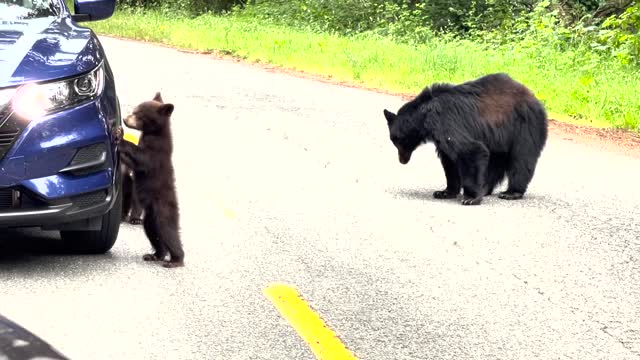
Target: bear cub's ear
{"points": [[158, 97], [165, 110], [391, 117]]}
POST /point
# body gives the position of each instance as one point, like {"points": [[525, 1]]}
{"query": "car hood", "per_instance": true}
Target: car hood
{"points": [[45, 49]]}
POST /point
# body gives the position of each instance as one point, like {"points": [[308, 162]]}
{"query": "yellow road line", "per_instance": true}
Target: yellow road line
{"points": [[228, 213], [323, 342]]}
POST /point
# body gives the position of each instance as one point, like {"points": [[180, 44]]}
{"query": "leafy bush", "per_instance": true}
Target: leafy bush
{"points": [[341, 16], [572, 26], [619, 36], [183, 7], [403, 16]]}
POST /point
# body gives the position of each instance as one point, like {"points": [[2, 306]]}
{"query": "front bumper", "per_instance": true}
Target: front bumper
{"points": [[80, 212], [43, 157], [61, 168]]}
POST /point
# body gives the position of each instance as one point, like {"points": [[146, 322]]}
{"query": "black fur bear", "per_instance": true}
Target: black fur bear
{"points": [[132, 212], [482, 130], [155, 188]]}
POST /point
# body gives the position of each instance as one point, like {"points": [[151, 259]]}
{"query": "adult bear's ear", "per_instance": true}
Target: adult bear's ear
{"points": [[391, 117]]}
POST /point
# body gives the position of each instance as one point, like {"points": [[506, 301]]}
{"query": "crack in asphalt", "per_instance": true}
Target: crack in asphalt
{"points": [[626, 344]]}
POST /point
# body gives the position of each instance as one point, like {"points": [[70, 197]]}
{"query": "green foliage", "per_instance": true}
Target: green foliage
{"points": [[403, 16], [579, 54], [587, 5], [344, 16], [500, 22], [619, 36], [182, 7], [585, 43], [592, 89]]}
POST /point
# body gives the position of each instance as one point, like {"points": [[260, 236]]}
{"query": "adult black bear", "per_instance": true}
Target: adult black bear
{"points": [[482, 130], [155, 179]]}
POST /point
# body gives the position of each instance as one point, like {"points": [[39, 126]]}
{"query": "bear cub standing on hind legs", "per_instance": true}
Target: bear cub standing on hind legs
{"points": [[154, 176], [482, 129], [131, 209]]}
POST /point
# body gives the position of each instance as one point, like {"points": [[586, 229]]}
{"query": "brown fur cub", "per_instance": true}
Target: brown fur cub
{"points": [[155, 188]]}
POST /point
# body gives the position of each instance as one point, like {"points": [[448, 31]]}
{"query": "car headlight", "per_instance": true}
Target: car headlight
{"points": [[34, 100]]}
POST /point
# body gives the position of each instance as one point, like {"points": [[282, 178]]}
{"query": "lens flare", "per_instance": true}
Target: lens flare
{"points": [[30, 102]]}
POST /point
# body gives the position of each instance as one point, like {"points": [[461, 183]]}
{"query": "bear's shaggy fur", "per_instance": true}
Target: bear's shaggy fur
{"points": [[131, 209], [155, 188], [482, 130]]}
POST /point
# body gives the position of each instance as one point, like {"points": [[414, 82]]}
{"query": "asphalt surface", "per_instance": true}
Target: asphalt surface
{"points": [[283, 179]]}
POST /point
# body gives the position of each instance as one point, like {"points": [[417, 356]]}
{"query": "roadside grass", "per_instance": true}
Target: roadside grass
{"points": [[603, 96]]}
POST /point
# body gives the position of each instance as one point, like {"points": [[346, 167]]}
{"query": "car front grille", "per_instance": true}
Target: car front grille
{"points": [[9, 128], [7, 137], [6, 198], [88, 159], [90, 199]]}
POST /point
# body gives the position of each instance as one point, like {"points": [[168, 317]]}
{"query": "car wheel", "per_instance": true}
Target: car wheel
{"points": [[100, 241]]}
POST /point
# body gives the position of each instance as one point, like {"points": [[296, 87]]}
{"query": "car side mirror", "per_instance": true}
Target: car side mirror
{"points": [[93, 10]]}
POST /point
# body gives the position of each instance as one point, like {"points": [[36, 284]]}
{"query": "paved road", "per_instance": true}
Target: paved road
{"points": [[283, 179]]}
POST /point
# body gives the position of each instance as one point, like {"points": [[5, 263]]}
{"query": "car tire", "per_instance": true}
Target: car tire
{"points": [[100, 241]]}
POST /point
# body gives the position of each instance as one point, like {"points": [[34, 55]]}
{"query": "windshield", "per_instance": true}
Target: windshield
{"points": [[28, 9]]}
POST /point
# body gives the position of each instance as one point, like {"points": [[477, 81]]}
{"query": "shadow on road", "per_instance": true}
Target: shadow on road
{"points": [[28, 247], [414, 194], [531, 200]]}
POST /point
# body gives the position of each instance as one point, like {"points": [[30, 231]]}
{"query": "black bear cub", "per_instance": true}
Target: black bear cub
{"points": [[131, 209], [482, 129], [154, 176]]}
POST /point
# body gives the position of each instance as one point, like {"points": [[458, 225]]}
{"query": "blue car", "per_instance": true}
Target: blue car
{"points": [[59, 124]]}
